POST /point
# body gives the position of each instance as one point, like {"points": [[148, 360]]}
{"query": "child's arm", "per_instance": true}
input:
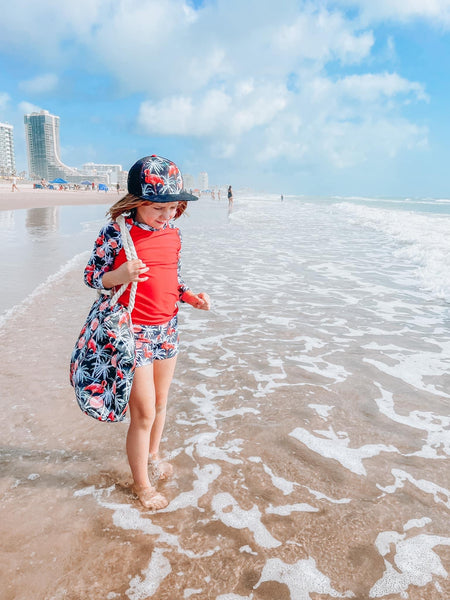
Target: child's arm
{"points": [[201, 301], [99, 273]]}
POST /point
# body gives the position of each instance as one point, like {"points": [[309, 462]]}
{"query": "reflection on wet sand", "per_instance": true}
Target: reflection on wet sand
{"points": [[7, 220], [41, 221]]}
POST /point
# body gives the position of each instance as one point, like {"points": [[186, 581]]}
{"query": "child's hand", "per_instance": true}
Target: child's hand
{"points": [[201, 301], [132, 270]]}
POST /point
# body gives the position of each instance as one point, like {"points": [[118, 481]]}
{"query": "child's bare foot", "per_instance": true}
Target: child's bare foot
{"points": [[162, 470], [150, 498]]}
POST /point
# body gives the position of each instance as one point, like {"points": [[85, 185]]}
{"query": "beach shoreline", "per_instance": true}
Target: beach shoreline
{"points": [[31, 198]]}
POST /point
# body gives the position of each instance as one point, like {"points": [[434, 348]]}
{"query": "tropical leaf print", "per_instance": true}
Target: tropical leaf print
{"points": [[103, 362]]}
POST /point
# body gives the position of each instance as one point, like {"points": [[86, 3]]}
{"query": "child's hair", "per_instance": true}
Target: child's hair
{"points": [[130, 202]]}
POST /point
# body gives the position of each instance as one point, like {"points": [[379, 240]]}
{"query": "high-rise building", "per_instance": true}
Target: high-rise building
{"points": [[188, 181], [203, 180], [42, 137], [7, 159], [109, 173]]}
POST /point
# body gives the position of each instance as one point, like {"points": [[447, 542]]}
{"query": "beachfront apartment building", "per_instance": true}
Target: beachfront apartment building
{"points": [[188, 181], [110, 174], [203, 183], [7, 157], [42, 138]]}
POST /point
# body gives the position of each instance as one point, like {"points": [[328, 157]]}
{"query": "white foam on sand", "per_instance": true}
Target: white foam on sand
{"points": [[147, 585], [233, 597], [210, 372], [336, 446], [188, 592], [436, 426], [247, 549], [269, 380], [319, 366], [206, 405], [414, 562], [287, 487], [227, 509], [413, 368], [302, 578], [288, 509], [440, 494], [205, 476], [203, 445], [129, 518], [323, 410], [321, 496], [71, 265]]}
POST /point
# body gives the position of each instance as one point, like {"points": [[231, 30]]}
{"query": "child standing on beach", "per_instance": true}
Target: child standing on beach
{"points": [[155, 198]]}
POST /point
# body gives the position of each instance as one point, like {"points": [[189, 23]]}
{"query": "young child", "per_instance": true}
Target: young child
{"points": [[155, 197]]}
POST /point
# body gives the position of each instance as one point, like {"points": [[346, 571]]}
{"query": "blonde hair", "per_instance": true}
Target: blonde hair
{"points": [[130, 202]]}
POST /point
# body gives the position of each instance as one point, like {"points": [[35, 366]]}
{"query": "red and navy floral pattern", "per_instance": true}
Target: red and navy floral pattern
{"points": [[103, 362], [107, 246], [156, 342], [160, 176]]}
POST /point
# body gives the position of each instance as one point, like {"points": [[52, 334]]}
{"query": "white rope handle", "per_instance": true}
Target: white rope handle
{"points": [[130, 253]]}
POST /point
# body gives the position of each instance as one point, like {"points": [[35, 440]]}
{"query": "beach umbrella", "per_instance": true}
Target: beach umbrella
{"points": [[59, 180], [86, 182]]}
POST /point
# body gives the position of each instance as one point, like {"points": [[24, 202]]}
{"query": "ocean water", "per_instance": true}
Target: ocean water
{"points": [[309, 420]]}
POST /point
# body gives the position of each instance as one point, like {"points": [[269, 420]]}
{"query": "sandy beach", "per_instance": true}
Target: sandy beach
{"points": [[27, 197], [308, 423]]}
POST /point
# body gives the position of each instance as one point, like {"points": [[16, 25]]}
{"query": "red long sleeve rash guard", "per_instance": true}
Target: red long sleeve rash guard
{"points": [[159, 249]]}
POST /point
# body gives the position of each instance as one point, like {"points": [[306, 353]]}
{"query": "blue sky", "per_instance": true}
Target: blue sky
{"points": [[346, 97]]}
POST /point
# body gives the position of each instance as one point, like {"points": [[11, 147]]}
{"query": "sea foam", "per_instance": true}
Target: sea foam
{"points": [[423, 240]]}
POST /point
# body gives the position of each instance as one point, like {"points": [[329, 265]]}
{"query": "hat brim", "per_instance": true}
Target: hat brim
{"points": [[183, 196]]}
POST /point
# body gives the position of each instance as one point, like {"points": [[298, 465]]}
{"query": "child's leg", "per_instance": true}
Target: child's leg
{"points": [[142, 416], [163, 371]]}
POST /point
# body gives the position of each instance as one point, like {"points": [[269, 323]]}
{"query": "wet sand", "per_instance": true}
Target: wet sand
{"points": [[30, 198], [300, 470]]}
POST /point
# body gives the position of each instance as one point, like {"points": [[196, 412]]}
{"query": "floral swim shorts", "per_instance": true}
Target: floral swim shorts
{"points": [[156, 342]]}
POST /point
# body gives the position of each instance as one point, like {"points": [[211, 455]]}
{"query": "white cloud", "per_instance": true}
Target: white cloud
{"points": [[42, 27], [345, 122], [435, 11], [372, 87], [244, 75], [27, 107], [216, 112], [342, 122], [40, 84], [323, 36]]}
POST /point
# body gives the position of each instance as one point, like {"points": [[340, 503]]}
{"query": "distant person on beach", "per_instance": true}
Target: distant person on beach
{"points": [[118, 187], [230, 195], [155, 198], [14, 187], [282, 197], [93, 186]]}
